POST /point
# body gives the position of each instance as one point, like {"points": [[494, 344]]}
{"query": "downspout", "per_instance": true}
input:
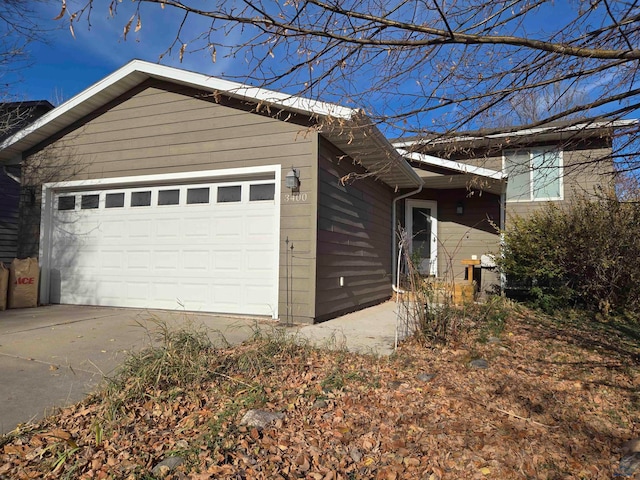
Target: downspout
{"points": [[394, 268], [503, 218]]}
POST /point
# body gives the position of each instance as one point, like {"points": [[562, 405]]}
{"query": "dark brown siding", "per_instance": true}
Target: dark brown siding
{"points": [[162, 128], [354, 238]]}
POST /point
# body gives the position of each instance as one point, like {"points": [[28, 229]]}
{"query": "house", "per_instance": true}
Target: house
{"points": [[475, 182], [162, 188], [13, 116]]}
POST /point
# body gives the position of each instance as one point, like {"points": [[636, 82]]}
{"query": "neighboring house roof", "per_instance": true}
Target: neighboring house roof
{"points": [[348, 129], [15, 115]]}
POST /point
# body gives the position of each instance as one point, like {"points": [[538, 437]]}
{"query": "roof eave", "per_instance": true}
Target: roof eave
{"points": [[365, 143], [584, 129], [136, 72]]}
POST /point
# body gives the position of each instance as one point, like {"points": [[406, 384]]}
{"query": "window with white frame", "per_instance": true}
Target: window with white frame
{"points": [[533, 175]]}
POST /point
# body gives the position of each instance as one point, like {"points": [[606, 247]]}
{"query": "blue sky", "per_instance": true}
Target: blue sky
{"points": [[64, 66]]}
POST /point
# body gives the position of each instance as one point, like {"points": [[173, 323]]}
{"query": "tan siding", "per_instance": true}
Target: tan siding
{"points": [[354, 238], [164, 128], [461, 236], [587, 167], [585, 172]]}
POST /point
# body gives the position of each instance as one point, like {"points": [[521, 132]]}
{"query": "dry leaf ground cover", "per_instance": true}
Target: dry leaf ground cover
{"points": [[556, 402]]}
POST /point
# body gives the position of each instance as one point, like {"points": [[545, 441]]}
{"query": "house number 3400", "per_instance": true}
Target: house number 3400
{"points": [[295, 197]]}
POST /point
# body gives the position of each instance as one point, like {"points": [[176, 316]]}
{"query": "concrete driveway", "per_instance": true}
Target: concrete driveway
{"points": [[54, 356]]}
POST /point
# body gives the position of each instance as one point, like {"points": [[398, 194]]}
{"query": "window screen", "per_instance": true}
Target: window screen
{"points": [[518, 172], [546, 175], [533, 175], [229, 194]]}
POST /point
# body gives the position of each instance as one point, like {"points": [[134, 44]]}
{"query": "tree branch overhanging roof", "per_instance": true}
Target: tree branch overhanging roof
{"points": [[349, 129], [573, 130]]}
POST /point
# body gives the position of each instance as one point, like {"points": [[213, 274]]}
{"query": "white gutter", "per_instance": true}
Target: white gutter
{"points": [[394, 268]]}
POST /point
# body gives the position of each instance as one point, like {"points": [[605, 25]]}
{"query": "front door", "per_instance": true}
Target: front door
{"points": [[421, 222]]}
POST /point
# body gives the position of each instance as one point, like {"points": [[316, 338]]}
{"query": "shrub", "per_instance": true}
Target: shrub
{"points": [[585, 254]]}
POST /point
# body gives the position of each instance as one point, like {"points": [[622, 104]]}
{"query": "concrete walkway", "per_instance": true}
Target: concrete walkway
{"points": [[371, 330], [54, 356]]}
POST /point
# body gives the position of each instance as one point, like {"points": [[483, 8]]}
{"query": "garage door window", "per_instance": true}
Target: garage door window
{"points": [[89, 202], [67, 203], [141, 199], [262, 192], [229, 194], [197, 195], [114, 200], [168, 197]]}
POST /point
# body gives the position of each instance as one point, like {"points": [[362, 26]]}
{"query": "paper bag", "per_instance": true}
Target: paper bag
{"points": [[23, 283]]}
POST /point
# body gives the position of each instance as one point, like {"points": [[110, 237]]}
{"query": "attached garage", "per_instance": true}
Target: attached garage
{"points": [[208, 243], [162, 188]]}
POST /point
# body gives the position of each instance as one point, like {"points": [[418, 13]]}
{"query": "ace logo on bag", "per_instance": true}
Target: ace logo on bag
{"points": [[23, 283]]}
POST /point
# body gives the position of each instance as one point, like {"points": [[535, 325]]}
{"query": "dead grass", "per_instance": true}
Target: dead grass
{"points": [[556, 402]]}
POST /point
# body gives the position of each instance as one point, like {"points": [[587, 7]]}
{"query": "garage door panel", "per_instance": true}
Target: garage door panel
{"points": [[196, 260], [110, 260], [166, 261], [137, 289], [228, 261], [198, 227], [228, 294], [217, 257], [138, 261], [194, 294]]}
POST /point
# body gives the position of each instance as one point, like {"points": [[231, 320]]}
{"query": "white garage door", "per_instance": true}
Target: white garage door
{"points": [[207, 246]]}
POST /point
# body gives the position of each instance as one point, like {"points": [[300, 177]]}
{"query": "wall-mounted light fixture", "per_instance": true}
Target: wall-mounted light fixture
{"points": [[292, 180], [460, 208]]}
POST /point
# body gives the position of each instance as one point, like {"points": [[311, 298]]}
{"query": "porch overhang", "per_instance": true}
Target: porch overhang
{"points": [[441, 174]]}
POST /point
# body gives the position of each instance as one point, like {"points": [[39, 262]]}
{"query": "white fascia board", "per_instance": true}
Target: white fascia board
{"points": [[71, 104], [238, 90], [451, 165], [198, 80]]}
